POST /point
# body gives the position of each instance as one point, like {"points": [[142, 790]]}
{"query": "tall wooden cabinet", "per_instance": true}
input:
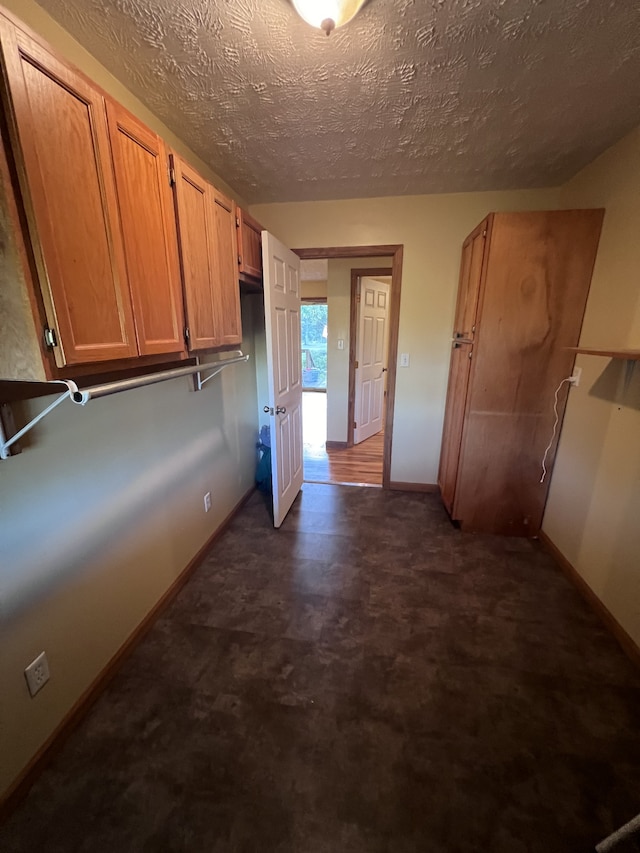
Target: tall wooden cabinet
{"points": [[524, 281]]}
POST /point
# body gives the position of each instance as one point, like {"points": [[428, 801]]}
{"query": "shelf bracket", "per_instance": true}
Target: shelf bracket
{"points": [[5, 443], [216, 368]]}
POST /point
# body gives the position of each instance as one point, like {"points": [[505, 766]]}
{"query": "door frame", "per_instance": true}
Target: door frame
{"points": [[395, 252], [353, 341]]}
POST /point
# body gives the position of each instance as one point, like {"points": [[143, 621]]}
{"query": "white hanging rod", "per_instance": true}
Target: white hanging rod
{"points": [[82, 396]]}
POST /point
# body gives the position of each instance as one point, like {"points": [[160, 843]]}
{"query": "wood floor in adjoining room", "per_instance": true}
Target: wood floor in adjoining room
{"points": [[359, 465]]}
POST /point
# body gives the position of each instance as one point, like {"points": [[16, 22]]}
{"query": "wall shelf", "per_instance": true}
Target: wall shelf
{"points": [[626, 354]]}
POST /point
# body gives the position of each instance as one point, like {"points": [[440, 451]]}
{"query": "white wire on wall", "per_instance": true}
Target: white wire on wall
{"points": [[570, 380]]}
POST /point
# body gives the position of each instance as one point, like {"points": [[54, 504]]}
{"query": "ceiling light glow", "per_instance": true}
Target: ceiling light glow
{"points": [[327, 15]]}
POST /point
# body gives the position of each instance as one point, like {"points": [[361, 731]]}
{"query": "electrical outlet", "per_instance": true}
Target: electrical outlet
{"points": [[404, 359], [37, 673], [207, 502], [575, 378]]}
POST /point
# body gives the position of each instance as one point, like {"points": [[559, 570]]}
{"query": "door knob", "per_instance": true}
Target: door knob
{"points": [[384, 369], [280, 410]]}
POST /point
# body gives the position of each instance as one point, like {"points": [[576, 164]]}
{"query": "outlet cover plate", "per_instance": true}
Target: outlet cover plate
{"points": [[37, 673]]}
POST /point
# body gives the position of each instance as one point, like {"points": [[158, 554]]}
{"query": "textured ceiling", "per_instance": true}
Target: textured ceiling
{"points": [[412, 96]]}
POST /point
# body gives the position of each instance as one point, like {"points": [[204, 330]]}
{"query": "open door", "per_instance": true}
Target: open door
{"points": [[284, 365], [371, 358]]}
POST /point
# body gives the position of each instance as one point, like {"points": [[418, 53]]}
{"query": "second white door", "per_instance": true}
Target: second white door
{"points": [[371, 358]]}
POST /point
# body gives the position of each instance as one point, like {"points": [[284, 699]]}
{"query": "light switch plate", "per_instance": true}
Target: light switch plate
{"points": [[404, 359]]}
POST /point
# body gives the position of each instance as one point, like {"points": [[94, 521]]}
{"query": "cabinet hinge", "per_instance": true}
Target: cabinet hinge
{"points": [[237, 221], [239, 260], [172, 176], [484, 233], [50, 337], [186, 334]]}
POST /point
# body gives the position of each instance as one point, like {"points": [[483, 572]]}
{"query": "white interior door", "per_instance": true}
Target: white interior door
{"points": [[284, 368], [371, 358]]}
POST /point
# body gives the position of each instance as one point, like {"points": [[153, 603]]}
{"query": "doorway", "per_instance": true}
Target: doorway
{"points": [[347, 461]]}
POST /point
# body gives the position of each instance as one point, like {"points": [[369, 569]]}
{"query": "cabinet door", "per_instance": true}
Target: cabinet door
{"points": [[60, 138], [454, 421], [227, 291], [195, 237], [469, 285], [249, 245], [149, 232]]}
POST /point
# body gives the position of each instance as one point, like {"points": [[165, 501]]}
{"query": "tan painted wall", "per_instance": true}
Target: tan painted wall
{"points": [[313, 289], [99, 515], [104, 508], [66, 46], [432, 229], [593, 511]]}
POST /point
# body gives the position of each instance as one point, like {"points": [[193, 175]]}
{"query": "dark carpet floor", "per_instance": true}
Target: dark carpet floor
{"points": [[366, 679]]}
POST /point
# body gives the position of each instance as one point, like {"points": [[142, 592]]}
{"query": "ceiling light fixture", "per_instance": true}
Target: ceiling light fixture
{"points": [[327, 14]]}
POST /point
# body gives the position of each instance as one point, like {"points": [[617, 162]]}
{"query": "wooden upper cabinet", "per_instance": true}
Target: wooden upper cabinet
{"points": [[145, 204], [249, 245], [227, 292], [471, 267], [207, 240], [194, 212], [60, 141]]}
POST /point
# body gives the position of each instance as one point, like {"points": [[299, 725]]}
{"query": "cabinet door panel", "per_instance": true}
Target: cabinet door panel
{"points": [[195, 224], [454, 421], [148, 229], [469, 286], [66, 173], [227, 290]]}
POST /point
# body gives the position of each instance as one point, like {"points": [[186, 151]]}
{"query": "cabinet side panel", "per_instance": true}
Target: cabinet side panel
{"points": [[537, 282], [20, 356], [250, 246]]}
